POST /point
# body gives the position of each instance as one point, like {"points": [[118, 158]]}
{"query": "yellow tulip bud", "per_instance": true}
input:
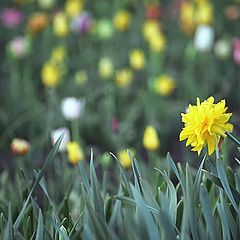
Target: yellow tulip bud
{"points": [[105, 68], [122, 20], [150, 28], [124, 77], [75, 153], [157, 42], [50, 75], [73, 7], [150, 139], [204, 13], [60, 25], [137, 59], [124, 158], [164, 85], [58, 54]]}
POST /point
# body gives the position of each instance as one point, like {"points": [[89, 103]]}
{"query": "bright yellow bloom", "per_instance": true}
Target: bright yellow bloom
{"points": [[195, 13], [105, 68], [73, 7], [151, 141], [137, 59], [124, 158], [164, 85], [124, 77], [58, 54], [150, 29], [122, 20], [204, 124], [157, 42], [204, 13], [60, 25], [50, 75], [75, 153]]}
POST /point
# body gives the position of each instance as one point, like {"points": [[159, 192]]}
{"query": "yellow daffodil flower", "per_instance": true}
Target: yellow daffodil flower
{"points": [[204, 124]]}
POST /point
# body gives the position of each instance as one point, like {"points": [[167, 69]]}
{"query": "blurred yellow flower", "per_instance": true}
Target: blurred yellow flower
{"points": [[204, 13], [122, 20], [75, 153], [195, 13], [124, 158], [105, 68], [124, 77], [187, 17], [20, 146], [164, 85], [58, 54], [73, 7], [151, 141], [204, 124], [50, 75], [137, 59], [81, 77], [150, 28], [157, 42], [60, 25]]}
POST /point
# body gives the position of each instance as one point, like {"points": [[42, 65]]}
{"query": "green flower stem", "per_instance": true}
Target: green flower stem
{"points": [[51, 94], [75, 130], [217, 149], [14, 79], [233, 139], [28, 86]]}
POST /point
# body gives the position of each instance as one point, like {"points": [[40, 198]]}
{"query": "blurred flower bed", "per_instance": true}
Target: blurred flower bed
{"points": [[112, 75], [83, 81]]}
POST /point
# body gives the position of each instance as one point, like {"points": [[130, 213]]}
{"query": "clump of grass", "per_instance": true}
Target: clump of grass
{"points": [[178, 204]]}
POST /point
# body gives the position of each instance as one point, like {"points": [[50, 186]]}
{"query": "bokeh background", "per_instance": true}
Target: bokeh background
{"points": [[115, 74]]}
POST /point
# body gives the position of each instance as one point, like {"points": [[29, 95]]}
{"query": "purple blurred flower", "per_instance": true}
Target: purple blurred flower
{"points": [[236, 50], [11, 17], [81, 23]]}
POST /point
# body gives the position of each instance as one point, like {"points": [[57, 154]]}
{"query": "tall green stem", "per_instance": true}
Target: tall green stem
{"points": [[233, 139]]}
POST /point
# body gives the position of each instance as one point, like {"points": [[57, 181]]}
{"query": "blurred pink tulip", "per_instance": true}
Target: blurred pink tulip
{"points": [[115, 125], [11, 17], [236, 50]]}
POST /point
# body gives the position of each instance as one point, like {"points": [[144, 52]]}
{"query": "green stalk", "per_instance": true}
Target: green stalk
{"points": [[233, 139], [75, 130], [28, 86]]}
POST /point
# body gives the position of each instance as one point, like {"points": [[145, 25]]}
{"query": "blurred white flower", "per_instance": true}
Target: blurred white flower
{"points": [[72, 108], [222, 48], [46, 4], [19, 47], [55, 134], [203, 39]]}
